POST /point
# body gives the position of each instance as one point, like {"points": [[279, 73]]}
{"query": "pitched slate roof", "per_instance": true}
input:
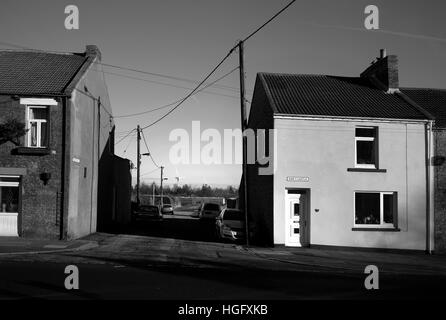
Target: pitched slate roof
{"points": [[432, 100], [322, 95], [25, 72]]}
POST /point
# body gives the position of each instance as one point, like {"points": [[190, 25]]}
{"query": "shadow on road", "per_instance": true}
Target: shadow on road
{"points": [[183, 227]]}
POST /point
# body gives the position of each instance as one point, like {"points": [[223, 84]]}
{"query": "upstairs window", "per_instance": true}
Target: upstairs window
{"points": [[37, 135], [366, 148]]}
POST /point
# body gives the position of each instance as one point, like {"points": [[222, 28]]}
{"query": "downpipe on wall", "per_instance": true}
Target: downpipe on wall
{"points": [[430, 216]]}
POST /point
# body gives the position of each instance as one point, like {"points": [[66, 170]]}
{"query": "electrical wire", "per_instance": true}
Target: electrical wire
{"points": [[267, 22], [219, 64], [95, 99], [205, 79], [148, 150], [162, 83], [175, 102], [128, 134], [164, 76], [147, 173], [128, 145], [193, 91]]}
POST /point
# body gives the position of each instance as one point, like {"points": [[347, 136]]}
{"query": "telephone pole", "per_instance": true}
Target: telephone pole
{"points": [[138, 161], [153, 193], [243, 127], [161, 187]]}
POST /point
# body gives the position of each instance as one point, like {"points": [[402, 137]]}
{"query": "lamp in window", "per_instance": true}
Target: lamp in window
{"points": [[45, 177]]}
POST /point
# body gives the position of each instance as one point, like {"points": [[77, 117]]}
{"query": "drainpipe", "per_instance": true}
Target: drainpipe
{"points": [[430, 189], [64, 172]]}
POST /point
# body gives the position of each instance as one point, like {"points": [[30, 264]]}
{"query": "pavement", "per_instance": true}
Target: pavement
{"points": [[180, 258], [355, 260], [184, 240], [20, 246]]}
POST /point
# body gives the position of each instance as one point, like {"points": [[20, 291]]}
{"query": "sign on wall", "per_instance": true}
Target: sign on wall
{"points": [[298, 179]]}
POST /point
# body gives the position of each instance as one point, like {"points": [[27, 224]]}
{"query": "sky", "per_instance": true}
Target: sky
{"points": [[187, 38]]}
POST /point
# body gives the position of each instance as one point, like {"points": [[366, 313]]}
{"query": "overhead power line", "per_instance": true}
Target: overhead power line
{"points": [[219, 64], [193, 91], [162, 83], [175, 102], [122, 139], [164, 76], [179, 103], [267, 22], [147, 173], [128, 145], [148, 150]]}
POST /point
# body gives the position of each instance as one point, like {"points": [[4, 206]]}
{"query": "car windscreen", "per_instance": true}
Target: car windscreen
{"points": [[233, 215], [211, 206]]}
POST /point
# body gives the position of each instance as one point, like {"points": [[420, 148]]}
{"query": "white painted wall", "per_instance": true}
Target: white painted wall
{"points": [[84, 126], [322, 151]]}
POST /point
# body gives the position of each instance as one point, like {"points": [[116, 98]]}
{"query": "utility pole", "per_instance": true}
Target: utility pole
{"points": [[161, 187], [153, 193], [243, 127], [138, 161]]}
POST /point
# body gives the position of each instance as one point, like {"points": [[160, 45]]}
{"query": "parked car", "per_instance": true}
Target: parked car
{"points": [[148, 212], [195, 213], [167, 209], [230, 224], [209, 211]]}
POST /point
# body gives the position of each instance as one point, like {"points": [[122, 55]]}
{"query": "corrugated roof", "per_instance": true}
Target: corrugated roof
{"points": [[432, 100], [25, 72], [334, 96]]}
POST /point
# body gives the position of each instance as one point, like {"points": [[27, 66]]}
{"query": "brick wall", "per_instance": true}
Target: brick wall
{"points": [[41, 204], [440, 191], [385, 70]]}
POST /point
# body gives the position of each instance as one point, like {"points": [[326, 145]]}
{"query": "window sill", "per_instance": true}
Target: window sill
{"points": [[377, 229], [366, 170], [31, 151]]}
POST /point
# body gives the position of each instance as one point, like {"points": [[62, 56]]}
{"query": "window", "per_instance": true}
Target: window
{"points": [[375, 209], [37, 127], [234, 215], [9, 195], [211, 207], [366, 148]]}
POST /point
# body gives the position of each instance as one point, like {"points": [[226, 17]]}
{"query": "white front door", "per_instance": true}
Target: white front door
{"points": [[9, 206], [293, 229], [296, 218]]}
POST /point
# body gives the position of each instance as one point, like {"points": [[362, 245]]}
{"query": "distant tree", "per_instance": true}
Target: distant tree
{"points": [[12, 130], [188, 191], [206, 191]]}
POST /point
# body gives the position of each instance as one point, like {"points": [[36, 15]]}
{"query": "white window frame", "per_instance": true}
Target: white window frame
{"points": [[381, 211], [362, 165], [11, 184], [39, 125]]}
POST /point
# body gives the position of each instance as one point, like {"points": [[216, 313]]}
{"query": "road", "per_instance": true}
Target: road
{"points": [[178, 258]]}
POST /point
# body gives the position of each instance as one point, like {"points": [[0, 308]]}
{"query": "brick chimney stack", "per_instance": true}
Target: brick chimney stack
{"points": [[93, 51], [384, 72]]}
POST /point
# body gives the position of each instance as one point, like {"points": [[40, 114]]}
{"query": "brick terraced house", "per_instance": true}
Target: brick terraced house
{"points": [[56, 180], [360, 162]]}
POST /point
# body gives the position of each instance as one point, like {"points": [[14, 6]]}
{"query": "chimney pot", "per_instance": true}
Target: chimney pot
{"points": [[382, 53], [93, 51]]}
